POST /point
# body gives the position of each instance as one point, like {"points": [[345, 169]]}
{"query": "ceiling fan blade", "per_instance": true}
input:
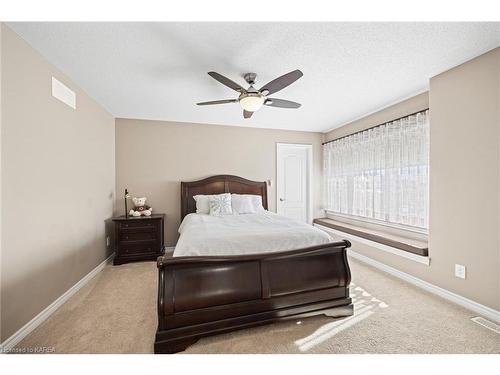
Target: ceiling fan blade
{"points": [[247, 114], [281, 103], [281, 82], [225, 101], [226, 81]]}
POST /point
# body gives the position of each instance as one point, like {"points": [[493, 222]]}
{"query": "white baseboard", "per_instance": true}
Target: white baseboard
{"points": [[29, 327], [482, 310]]}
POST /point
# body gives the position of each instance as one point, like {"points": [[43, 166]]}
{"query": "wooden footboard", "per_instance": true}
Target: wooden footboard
{"points": [[201, 296]]}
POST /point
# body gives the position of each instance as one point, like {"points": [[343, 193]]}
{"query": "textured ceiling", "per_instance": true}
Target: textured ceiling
{"points": [[158, 70]]}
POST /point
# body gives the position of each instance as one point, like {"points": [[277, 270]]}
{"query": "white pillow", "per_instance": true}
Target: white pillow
{"points": [[257, 203], [246, 203], [242, 204], [220, 204], [202, 205]]}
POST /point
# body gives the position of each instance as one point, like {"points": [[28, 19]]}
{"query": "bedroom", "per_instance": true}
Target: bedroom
{"points": [[345, 199]]}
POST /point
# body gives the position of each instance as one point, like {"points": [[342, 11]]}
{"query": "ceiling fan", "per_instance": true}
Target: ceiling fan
{"points": [[252, 99]]}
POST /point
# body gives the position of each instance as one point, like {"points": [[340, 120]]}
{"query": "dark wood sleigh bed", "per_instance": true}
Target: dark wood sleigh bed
{"points": [[205, 295]]}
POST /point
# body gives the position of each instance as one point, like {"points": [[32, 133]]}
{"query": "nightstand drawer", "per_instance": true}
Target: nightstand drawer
{"points": [[138, 236], [139, 247], [139, 229], [140, 223]]}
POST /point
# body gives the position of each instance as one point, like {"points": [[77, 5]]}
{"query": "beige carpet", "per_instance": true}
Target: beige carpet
{"points": [[116, 313]]}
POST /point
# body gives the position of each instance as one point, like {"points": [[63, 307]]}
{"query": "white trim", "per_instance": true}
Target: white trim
{"points": [[476, 307], [29, 327], [388, 249], [310, 188]]}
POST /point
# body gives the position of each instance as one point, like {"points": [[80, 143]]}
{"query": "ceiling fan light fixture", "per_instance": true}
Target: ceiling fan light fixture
{"points": [[251, 102], [251, 99]]}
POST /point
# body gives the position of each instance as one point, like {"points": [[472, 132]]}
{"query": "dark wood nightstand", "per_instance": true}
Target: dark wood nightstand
{"points": [[138, 238]]}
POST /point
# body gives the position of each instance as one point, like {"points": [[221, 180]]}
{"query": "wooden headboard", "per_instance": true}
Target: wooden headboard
{"points": [[217, 185]]}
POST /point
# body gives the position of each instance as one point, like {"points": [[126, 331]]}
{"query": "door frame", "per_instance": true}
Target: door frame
{"points": [[309, 181]]}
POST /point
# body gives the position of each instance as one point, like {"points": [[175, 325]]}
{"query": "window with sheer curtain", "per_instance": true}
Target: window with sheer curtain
{"points": [[382, 173]]}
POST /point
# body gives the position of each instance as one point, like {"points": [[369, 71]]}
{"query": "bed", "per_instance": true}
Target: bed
{"points": [[230, 273], [262, 232]]}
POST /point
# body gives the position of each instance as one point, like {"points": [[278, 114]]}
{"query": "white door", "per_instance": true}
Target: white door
{"points": [[293, 181]]}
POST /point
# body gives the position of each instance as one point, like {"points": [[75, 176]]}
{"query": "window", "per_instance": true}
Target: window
{"points": [[382, 173]]}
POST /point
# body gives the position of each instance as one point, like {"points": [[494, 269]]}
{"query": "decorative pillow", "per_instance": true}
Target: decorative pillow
{"points": [[220, 204], [242, 204]]}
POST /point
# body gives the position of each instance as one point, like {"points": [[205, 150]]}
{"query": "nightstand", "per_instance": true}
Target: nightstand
{"points": [[138, 238]]}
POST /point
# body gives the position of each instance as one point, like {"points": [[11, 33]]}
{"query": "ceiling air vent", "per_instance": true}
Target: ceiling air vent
{"points": [[486, 323], [63, 93]]}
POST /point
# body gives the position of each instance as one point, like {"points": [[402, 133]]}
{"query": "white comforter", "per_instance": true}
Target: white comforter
{"points": [[244, 234]]}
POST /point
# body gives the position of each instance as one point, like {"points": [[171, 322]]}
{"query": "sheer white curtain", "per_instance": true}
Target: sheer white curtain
{"points": [[381, 173]]}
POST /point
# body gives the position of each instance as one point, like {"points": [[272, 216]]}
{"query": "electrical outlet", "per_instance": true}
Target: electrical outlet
{"points": [[460, 271], [107, 241]]}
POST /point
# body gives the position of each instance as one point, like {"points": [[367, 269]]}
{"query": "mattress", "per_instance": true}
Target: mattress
{"points": [[263, 232]]}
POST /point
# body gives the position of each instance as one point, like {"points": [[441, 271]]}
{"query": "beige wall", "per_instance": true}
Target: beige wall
{"points": [[57, 184], [464, 179], [153, 157]]}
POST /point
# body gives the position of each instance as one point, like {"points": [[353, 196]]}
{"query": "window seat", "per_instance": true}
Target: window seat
{"points": [[410, 245]]}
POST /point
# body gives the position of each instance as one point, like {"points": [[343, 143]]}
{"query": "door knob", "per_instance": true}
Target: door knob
{"points": [[282, 200]]}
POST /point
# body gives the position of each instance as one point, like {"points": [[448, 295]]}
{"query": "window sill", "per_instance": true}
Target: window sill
{"points": [[416, 249], [385, 226]]}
